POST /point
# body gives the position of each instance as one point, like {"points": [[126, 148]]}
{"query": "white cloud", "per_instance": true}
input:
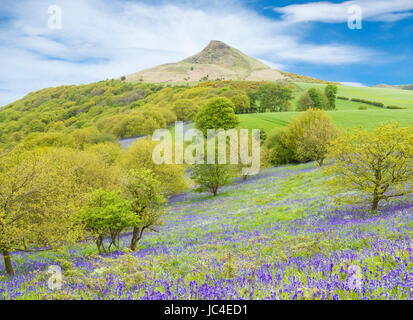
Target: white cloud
{"points": [[374, 10], [105, 39], [353, 84]]}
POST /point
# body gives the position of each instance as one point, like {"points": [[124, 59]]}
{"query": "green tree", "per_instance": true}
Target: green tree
{"points": [[275, 97], [147, 202], [304, 102], [211, 177], [185, 109], [278, 152], [330, 92], [106, 215], [253, 96], [310, 135], [241, 103], [171, 176], [317, 98], [218, 113], [378, 164]]}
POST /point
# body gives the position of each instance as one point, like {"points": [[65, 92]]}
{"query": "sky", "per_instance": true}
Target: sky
{"points": [[104, 39]]}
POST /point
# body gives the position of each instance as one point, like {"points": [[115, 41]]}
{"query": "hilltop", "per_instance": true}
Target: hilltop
{"points": [[217, 61]]}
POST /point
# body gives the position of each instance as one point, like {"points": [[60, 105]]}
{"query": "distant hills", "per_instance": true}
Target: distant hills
{"points": [[401, 86], [217, 61]]}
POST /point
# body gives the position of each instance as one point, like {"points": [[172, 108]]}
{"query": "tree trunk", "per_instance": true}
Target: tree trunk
{"points": [[375, 202], [320, 162], [134, 240], [7, 262], [245, 178]]}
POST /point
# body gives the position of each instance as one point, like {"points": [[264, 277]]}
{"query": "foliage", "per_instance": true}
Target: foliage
{"points": [[318, 97], [241, 103], [218, 113], [330, 92], [309, 136], [172, 176], [304, 102], [37, 203], [379, 164], [279, 152], [145, 195], [107, 214], [373, 103], [185, 109], [69, 107], [211, 177], [275, 97]]}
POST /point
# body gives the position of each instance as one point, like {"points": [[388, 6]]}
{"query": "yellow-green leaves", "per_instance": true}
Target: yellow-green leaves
{"points": [[378, 164]]}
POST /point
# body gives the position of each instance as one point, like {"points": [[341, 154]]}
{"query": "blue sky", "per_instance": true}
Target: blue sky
{"points": [[102, 39]]}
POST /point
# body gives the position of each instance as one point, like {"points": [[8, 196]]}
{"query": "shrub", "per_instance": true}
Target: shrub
{"points": [[304, 102], [373, 103], [395, 107], [278, 151], [362, 107], [310, 135]]}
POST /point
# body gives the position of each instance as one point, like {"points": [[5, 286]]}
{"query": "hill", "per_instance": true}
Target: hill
{"points": [[217, 61], [399, 86]]}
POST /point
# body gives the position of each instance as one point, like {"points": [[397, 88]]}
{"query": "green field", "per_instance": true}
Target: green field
{"points": [[347, 114], [397, 97]]}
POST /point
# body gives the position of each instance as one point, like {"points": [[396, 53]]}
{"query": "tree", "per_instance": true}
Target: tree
{"points": [[37, 204], [253, 96], [211, 177], [310, 134], [185, 109], [304, 102], [330, 92], [147, 201], [275, 97], [171, 176], [278, 151], [319, 99], [241, 103], [379, 164], [107, 214], [218, 113]]}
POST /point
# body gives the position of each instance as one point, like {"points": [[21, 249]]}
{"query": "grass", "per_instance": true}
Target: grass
{"points": [[347, 113], [398, 97], [267, 238], [368, 119]]}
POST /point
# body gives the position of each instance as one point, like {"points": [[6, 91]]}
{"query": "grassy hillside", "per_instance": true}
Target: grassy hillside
{"points": [[347, 114], [367, 119], [398, 97], [267, 238]]}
